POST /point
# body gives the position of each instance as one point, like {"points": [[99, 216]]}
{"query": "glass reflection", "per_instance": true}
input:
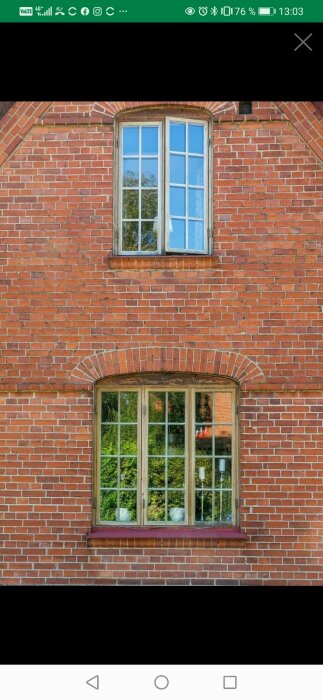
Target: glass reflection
{"points": [[177, 233], [149, 204], [156, 439], [177, 170], [196, 203], [109, 472], [108, 505], [128, 439], [128, 472], [177, 136], [223, 407], [148, 236], [109, 439], [149, 172], [195, 171], [222, 440], [130, 204], [109, 407], [130, 172], [176, 407], [149, 140], [128, 406], [196, 235], [157, 402], [130, 236], [175, 472], [176, 439], [156, 506], [156, 472], [131, 140], [195, 138], [177, 201]]}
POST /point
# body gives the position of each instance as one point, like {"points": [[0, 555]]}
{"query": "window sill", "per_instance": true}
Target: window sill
{"points": [[162, 262], [169, 533]]}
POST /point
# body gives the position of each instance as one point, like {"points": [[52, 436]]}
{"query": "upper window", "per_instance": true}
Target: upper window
{"points": [[167, 455], [163, 187]]}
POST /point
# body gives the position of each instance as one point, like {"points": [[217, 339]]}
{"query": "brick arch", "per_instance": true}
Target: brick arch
{"points": [[114, 108], [168, 359]]}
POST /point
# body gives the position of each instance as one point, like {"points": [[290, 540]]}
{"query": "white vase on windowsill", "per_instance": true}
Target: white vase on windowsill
{"points": [[122, 515], [177, 514]]}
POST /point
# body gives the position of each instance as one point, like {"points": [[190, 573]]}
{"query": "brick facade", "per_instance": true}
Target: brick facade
{"points": [[71, 314]]}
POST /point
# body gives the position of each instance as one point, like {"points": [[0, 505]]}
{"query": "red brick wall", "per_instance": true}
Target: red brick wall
{"points": [[258, 308]]}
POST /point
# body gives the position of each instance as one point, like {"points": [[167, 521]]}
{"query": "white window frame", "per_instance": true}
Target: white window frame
{"points": [[142, 454], [167, 185], [164, 188], [139, 188]]}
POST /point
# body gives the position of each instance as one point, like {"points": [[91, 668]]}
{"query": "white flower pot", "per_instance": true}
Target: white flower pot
{"points": [[177, 514], [123, 515]]}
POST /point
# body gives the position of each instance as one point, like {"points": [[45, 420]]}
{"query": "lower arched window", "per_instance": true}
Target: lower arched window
{"points": [[167, 452]]}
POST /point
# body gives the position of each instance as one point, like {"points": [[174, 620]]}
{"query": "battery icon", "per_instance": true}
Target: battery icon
{"points": [[267, 11]]}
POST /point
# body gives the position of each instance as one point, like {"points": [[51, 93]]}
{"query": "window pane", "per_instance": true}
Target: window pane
{"points": [[109, 472], [177, 201], [130, 236], [156, 472], [130, 172], [128, 506], [109, 407], [131, 140], [130, 204], [128, 439], [223, 507], [177, 234], [176, 407], [195, 138], [176, 506], [195, 171], [223, 476], [177, 169], [149, 235], [176, 472], [149, 204], [203, 440], [177, 137], [204, 407], [108, 505], [149, 140], [222, 440], [176, 439], [203, 506], [196, 235], [156, 439], [156, 506], [223, 407], [128, 472], [203, 473], [128, 406], [196, 203], [109, 440], [157, 406], [149, 172]]}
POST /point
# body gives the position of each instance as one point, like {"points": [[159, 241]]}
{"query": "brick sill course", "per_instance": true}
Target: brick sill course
{"points": [[169, 533], [162, 262]]}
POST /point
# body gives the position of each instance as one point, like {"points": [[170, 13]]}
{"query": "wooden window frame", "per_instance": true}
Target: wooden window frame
{"points": [[142, 457]]}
